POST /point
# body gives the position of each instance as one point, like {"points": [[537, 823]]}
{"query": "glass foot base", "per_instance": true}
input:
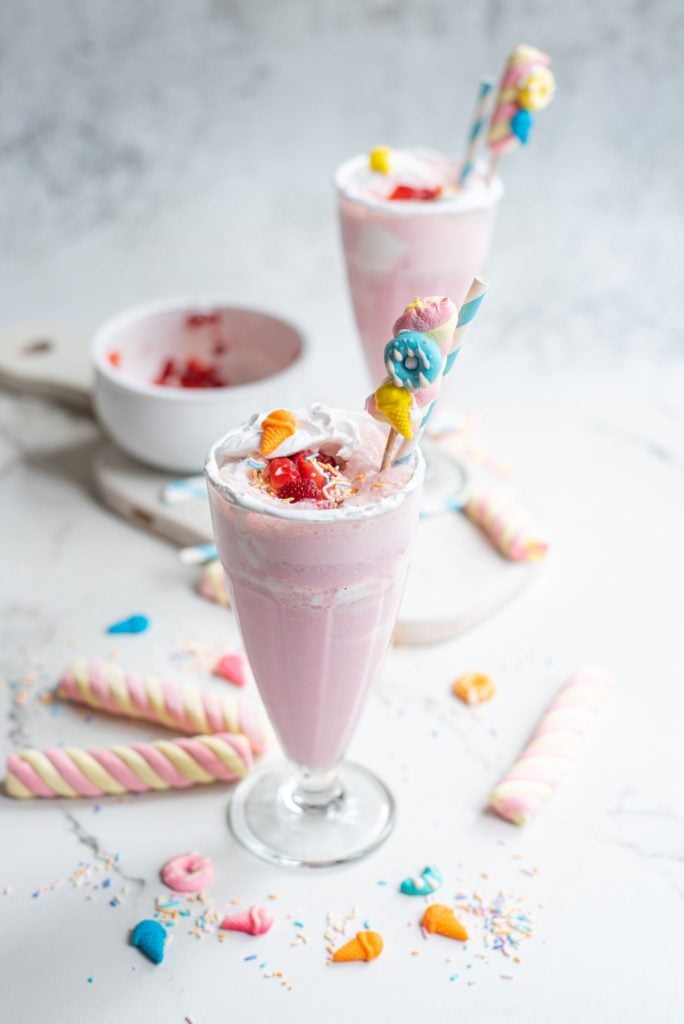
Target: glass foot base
{"points": [[266, 817]]}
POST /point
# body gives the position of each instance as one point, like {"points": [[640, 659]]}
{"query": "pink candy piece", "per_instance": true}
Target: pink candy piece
{"points": [[255, 921], [188, 872], [232, 668]]}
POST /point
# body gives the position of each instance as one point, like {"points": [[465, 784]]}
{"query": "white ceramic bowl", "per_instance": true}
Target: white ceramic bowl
{"points": [[172, 428]]}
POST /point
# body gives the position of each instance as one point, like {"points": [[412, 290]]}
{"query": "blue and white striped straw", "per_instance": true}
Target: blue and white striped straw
{"points": [[198, 554], [476, 128], [466, 315], [177, 491]]}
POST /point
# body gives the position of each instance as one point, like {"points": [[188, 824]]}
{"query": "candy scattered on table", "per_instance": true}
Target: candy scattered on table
{"points": [[439, 919], [255, 921], [364, 947], [181, 707], [133, 624], [188, 872], [473, 688], [429, 881], [231, 667], [554, 745], [150, 938], [212, 584], [138, 768], [505, 922]]}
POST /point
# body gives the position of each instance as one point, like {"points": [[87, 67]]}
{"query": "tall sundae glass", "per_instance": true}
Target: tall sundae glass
{"points": [[409, 229], [315, 542]]}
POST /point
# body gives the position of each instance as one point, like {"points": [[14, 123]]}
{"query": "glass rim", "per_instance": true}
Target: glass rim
{"points": [[348, 513], [460, 202]]}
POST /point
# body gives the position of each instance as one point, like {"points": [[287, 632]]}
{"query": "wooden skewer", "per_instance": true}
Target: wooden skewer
{"points": [[493, 167], [387, 456]]}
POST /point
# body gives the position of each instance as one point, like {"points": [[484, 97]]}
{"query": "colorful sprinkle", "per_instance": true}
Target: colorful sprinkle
{"points": [[133, 624]]}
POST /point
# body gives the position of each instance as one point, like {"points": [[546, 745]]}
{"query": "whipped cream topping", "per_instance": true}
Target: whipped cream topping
{"points": [[419, 168], [318, 426]]}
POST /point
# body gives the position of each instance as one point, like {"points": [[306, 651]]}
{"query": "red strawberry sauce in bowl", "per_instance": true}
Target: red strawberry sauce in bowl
{"points": [[169, 375]]}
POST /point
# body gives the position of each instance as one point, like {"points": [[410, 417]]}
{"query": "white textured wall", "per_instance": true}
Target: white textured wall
{"points": [[150, 147]]}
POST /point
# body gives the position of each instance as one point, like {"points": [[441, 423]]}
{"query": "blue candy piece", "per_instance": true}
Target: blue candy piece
{"points": [[521, 125], [133, 624], [429, 881], [413, 360], [150, 938]]}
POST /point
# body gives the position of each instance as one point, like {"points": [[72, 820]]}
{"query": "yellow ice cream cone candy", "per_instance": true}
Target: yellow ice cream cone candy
{"points": [[394, 402], [276, 428], [441, 920], [366, 946]]}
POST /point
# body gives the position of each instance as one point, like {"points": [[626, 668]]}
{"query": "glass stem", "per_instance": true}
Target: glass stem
{"points": [[316, 789]]}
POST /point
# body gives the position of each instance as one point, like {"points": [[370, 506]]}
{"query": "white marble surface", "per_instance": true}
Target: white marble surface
{"points": [[158, 148]]}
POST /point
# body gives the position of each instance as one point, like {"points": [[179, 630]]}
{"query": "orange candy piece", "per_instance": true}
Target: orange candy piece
{"points": [[276, 428], [441, 920], [366, 946], [473, 688]]}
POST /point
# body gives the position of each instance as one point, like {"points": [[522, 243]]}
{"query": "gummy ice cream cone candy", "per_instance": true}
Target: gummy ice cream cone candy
{"points": [[441, 920], [276, 428], [255, 921], [365, 946]]}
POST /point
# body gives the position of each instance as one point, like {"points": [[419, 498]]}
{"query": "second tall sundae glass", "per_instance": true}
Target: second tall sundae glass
{"points": [[436, 237], [316, 580]]}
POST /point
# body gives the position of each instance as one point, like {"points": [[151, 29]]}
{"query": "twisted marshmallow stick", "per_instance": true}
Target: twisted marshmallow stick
{"points": [[507, 526], [166, 764], [554, 745], [184, 708]]}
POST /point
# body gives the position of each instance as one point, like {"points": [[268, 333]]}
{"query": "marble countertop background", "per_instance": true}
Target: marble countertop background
{"points": [[156, 148]]}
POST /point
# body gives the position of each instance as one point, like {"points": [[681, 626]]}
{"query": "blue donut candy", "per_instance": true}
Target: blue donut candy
{"points": [[413, 360]]}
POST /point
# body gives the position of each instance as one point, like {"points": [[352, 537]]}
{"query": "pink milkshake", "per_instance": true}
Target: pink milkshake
{"points": [[315, 543], [410, 230]]}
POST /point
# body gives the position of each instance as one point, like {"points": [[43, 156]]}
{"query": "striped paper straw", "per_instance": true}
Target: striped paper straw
{"points": [[476, 128], [177, 491], [466, 315], [197, 554]]}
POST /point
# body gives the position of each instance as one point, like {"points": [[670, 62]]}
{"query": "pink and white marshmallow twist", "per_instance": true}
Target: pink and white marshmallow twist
{"points": [[137, 768], [553, 748], [507, 526], [180, 707]]}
